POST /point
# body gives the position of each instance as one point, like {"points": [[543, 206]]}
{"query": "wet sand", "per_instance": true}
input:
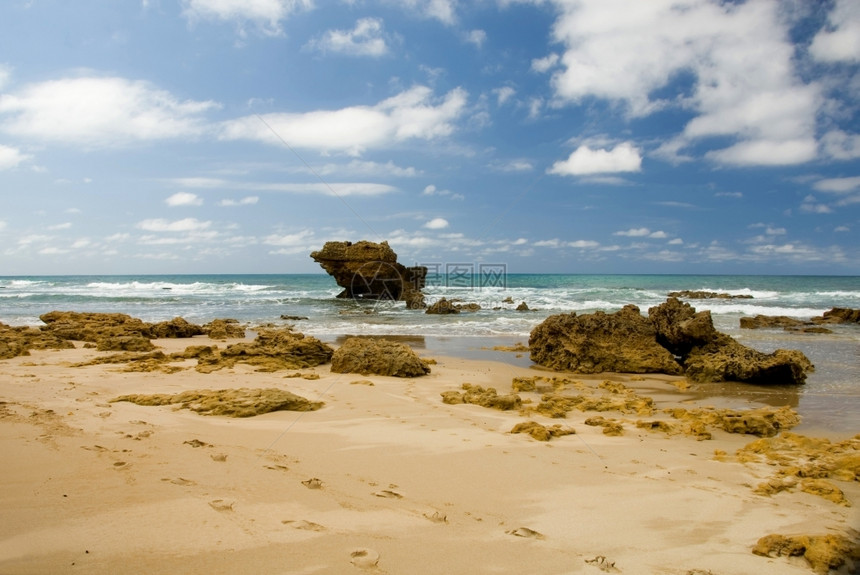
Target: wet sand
{"points": [[384, 478]]}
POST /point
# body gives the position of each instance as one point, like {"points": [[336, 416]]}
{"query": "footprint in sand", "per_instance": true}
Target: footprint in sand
{"points": [[603, 564], [388, 494], [364, 558], [196, 443], [221, 505], [313, 483], [303, 525], [220, 457], [181, 481], [525, 532], [437, 517]]}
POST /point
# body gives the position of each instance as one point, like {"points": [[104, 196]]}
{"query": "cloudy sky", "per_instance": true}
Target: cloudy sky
{"points": [[578, 136]]}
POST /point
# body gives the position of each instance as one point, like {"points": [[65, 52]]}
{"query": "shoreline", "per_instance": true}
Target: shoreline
{"points": [[404, 482]]}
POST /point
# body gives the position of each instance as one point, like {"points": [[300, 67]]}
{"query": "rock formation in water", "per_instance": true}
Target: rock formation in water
{"points": [[367, 270], [624, 341], [674, 339]]}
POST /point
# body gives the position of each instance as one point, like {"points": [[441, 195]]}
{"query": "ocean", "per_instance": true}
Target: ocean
{"points": [[830, 400]]}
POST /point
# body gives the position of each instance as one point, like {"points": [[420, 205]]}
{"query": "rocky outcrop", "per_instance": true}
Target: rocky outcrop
{"points": [[368, 270], [839, 315], [688, 294], [15, 341], [445, 306], [377, 356], [771, 322], [674, 339], [708, 355], [272, 350], [823, 553], [228, 402], [624, 341]]}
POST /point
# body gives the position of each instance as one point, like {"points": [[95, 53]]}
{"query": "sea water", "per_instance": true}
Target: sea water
{"points": [[830, 399]]}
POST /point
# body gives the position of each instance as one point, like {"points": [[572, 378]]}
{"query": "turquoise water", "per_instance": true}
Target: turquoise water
{"points": [[831, 397]]}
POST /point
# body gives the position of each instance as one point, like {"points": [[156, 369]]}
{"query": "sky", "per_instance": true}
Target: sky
{"points": [[548, 136]]}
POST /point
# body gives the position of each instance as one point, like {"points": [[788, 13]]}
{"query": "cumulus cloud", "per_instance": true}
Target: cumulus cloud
{"points": [[413, 114], [11, 157], [840, 41], [365, 39], [99, 112], [840, 145], [504, 94], [838, 185], [339, 189], [738, 57], [267, 15], [443, 10], [584, 161], [642, 233], [476, 37], [162, 225], [246, 201], [184, 199], [436, 224]]}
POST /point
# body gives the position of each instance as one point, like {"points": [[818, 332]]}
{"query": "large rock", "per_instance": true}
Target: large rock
{"points": [[724, 359], [377, 356], [674, 339], [839, 315], [272, 350], [680, 328], [368, 270], [624, 341], [15, 341]]}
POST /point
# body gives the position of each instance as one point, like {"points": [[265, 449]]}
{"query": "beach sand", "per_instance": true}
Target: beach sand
{"points": [[384, 478]]}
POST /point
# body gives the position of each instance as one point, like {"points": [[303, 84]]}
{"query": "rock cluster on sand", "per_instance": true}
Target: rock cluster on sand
{"points": [[445, 306], [368, 270], [106, 331], [228, 402], [377, 356], [674, 339], [822, 552]]}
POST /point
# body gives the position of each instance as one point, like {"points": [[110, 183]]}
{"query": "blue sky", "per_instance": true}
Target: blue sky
{"points": [[575, 136]]}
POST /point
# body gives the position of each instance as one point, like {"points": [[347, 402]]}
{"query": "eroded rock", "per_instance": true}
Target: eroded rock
{"points": [[542, 432], [477, 395], [228, 402], [377, 356], [624, 342], [368, 270], [822, 552]]}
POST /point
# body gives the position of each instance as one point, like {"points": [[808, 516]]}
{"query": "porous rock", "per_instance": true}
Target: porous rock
{"points": [[368, 270], [485, 397], [724, 359], [822, 552], [271, 350], [377, 356], [15, 341], [624, 341], [228, 402]]}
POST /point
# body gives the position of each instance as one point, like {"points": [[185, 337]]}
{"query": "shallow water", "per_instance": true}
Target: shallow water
{"points": [[830, 399]]}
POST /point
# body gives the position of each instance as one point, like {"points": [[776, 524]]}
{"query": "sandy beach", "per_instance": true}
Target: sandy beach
{"points": [[384, 478]]}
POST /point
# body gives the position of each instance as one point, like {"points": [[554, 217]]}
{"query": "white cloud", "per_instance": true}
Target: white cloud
{"points": [[504, 94], [5, 74], [340, 189], [2, 224], [839, 145], [476, 37], [184, 225], [676, 242], [545, 64], [443, 10], [840, 41], [97, 112], [642, 233], [246, 201], [737, 55], [838, 185], [184, 199], [366, 39], [266, 14], [11, 157], [583, 161], [436, 224], [414, 113]]}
